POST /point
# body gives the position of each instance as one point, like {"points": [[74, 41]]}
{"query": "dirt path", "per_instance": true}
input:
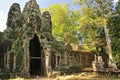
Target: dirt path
{"points": [[73, 77], [93, 77], [86, 77]]}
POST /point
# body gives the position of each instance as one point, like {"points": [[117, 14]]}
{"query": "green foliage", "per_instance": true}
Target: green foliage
{"points": [[73, 26], [64, 22], [90, 28]]}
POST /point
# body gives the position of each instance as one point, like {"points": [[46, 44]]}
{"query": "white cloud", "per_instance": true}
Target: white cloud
{"points": [[3, 20], [115, 0]]}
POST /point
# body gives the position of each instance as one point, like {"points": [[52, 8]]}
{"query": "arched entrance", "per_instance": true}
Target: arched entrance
{"points": [[35, 57]]}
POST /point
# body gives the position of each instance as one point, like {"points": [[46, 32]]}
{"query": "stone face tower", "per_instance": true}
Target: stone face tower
{"points": [[32, 17], [29, 47], [32, 45]]}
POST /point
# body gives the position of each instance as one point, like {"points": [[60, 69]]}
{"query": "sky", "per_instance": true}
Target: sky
{"points": [[5, 6]]}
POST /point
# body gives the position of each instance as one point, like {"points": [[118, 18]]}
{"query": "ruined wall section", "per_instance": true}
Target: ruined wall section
{"points": [[10, 37], [59, 49]]}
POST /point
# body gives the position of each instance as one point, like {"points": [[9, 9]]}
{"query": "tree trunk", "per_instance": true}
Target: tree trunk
{"points": [[107, 36], [108, 41]]}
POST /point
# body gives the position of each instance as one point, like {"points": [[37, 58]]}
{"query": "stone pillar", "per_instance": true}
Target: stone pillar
{"points": [[14, 62], [60, 62], [8, 61], [48, 61], [56, 61], [5, 60], [26, 57], [65, 58]]}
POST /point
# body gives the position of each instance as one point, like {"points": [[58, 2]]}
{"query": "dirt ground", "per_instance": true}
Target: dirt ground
{"points": [[81, 76], [87, 77]]}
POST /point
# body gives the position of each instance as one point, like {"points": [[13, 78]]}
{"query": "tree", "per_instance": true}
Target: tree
{"points": [[64, 22], [103, 8], [114, 22], [90, 29]]}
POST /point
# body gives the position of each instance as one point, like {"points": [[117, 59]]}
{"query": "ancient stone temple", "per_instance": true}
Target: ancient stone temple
{"points": [[27, 47]]}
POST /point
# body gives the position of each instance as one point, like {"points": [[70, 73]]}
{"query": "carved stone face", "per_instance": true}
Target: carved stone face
{"points": [[13, 15], [15, 7], [46, 14]]}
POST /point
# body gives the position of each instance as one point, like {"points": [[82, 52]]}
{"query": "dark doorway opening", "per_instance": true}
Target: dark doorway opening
{"points": [[35, 56]]}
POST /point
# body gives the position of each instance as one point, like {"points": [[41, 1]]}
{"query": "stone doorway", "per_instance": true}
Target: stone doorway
{"points": [[35, 57]]}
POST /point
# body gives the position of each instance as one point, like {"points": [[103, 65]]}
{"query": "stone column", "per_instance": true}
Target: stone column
{"points": [[8, 61], [5, 60], [48, 61], [66, 58], [26, 57], [60, 61], [56, 61], [14, 62]]}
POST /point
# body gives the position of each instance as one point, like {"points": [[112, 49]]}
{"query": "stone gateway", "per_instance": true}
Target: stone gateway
{"points": [[27, 47]]}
